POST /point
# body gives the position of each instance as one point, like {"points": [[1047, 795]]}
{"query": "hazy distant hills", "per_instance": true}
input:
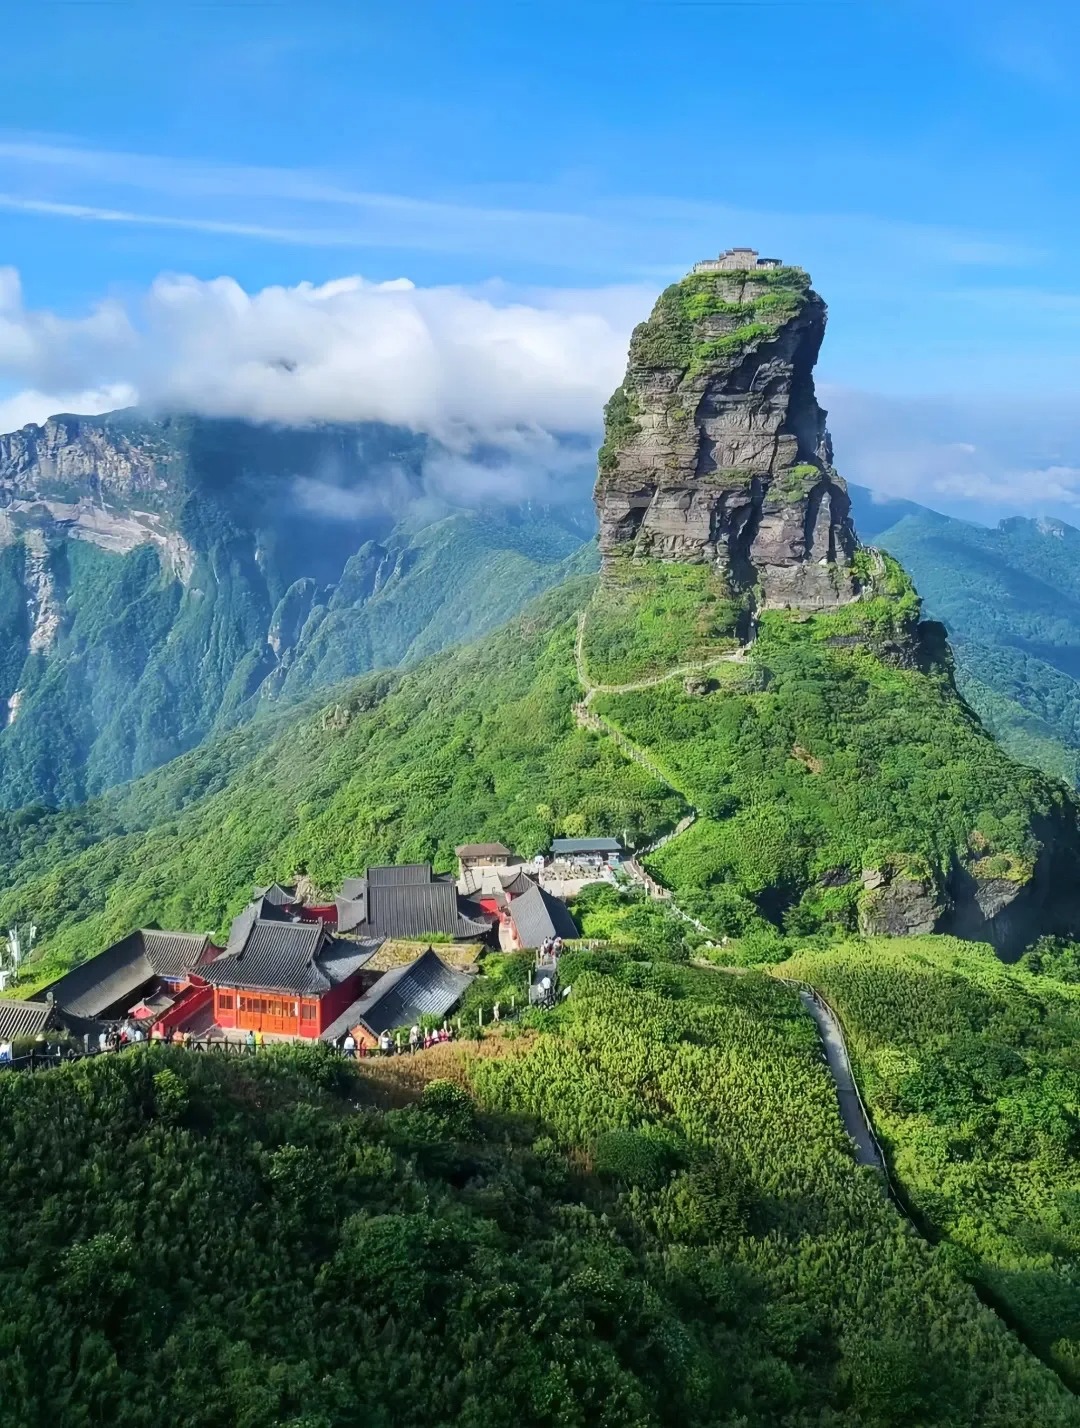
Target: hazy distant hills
{"points": [[161, 578]]}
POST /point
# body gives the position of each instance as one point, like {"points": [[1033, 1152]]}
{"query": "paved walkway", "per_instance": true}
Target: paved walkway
{"points": [[852, 1114]]}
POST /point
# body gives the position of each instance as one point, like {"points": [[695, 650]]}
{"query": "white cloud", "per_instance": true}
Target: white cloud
{"points": [[29, 405], [523, 373], [460, 365], [987, 457]]}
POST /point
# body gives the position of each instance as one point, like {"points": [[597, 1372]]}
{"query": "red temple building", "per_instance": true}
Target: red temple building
{"points": [[289, 978]]}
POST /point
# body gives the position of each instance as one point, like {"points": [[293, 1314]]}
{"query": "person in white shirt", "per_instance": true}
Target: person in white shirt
{"points": [[349, 1045]]}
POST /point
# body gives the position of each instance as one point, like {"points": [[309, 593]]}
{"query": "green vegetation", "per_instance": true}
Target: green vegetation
{"points": [[649, 616], [719, 349], [146, 665], [629, 920], [840, 762], [644, 1212], [806, 764], [1010, 598], [972, 1073], [474, 744], [620, 426], [681, 331], [795, 483]]}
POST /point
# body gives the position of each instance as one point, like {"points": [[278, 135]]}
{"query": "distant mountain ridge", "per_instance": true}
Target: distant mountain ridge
{"points": [[160, 577], [1010, 599]]}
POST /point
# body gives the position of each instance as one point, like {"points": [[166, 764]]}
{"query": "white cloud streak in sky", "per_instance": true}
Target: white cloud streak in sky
{"points": [[48, 177]]}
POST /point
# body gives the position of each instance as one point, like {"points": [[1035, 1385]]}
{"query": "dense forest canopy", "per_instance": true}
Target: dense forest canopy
{"points": [[638, 1209], [972, 1073]]}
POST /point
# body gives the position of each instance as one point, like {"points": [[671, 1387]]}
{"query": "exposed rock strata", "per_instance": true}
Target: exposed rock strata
{"points": [[715, 446], [79, 478]]}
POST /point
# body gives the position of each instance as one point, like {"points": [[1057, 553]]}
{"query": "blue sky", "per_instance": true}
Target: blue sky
{"points": [[572, 158]]}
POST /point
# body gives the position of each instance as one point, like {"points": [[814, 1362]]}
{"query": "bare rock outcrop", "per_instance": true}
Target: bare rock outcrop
{"points": [[716, 449], [93, 481]]}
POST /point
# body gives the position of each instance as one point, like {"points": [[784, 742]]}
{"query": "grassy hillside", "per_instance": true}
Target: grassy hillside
{"points": [[823, 755], [478, 743], [810, 762], [972, 1073], [642, 1211], [1010, 598]]}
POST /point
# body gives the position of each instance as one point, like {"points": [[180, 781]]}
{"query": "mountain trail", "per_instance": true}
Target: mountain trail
{"points": [[588, 719], [678, 672]]}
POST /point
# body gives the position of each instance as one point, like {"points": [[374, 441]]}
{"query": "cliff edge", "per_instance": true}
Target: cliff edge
{"points": [[715, 448]]}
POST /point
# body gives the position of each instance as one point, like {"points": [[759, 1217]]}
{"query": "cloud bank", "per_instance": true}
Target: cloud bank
{"points": [[456, 364], [981, 458], [511, 383]]}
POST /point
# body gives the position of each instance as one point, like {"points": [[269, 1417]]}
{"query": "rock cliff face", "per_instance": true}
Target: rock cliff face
{"points": [[715, 446]]}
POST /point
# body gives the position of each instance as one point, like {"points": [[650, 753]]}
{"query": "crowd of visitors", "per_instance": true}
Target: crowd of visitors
{"points": [[397, 1044]]}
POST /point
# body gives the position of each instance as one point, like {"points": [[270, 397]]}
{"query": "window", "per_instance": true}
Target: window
{"points": [[307, 1011], [225, 1001]]}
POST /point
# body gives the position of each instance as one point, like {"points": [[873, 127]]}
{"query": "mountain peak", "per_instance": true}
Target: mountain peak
{"points": [[715, 448]]}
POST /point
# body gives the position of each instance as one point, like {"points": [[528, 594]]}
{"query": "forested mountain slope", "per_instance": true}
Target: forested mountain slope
{"points": [[160, 579], [838, 779], [973, 1079], [1010, 599], [642, 1210]]}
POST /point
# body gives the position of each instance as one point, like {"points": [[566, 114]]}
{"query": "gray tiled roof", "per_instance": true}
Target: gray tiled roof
{"points": [[261, 910], [412, 906], [414, 910], [174, 954], [585, 845], [276, 893], [394, 876], [110, 982], [350, 914], [289, 957], [537, 915], [518, 884], [340, 959], [483, 850], [275, 956], [23, 1019], [426, 987]]}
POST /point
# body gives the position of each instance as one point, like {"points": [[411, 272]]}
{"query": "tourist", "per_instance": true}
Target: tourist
{"points": [[386, 1046], [349, 1046], [495, 1012], [5, 1052], [444, 1034], [427, 1038], [260, 1040], [414, 1038], [249, 1042], [556, 948], [103, 1040]]}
